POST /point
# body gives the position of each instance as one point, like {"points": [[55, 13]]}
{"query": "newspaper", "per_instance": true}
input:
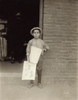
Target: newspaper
{"points": [[35, 54], [29, 71]]}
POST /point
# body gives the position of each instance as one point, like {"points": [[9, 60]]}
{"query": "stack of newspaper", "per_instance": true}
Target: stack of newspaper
{"points": [[29, 68]]}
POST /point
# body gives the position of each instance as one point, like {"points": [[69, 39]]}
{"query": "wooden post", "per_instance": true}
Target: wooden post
{"points": [[41, 15]]}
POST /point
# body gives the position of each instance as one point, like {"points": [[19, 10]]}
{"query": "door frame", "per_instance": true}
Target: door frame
{"points": [[41, 16]]}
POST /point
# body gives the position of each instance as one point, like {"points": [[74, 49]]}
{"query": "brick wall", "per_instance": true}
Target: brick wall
{"points": [[60, 33]]}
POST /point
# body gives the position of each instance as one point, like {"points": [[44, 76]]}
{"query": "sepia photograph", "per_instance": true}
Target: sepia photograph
{"points": [[38, 49]]}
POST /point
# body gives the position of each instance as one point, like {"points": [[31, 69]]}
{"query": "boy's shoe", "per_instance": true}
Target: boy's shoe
{"points": [[40, 85], [30, 85]]}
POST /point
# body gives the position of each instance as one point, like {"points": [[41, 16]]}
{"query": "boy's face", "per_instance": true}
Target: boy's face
{"points": [[36, 34]]}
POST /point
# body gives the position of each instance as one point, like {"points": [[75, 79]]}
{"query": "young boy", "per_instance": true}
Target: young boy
{"points": [[39, 43]]}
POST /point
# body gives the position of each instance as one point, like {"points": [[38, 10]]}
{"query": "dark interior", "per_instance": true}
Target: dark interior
{"points": [[22, 15]]}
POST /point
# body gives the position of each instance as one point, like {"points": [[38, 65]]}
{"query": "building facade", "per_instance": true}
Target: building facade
{"points": [[59, 22]]}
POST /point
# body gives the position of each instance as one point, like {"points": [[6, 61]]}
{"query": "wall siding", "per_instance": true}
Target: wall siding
{"points": [[60, 33]]}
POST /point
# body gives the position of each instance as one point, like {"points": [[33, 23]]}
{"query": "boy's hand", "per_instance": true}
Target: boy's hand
{"points": [[44, 50]]}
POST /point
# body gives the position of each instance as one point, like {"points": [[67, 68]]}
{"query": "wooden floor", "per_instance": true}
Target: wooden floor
{"points": [[13, 88]]}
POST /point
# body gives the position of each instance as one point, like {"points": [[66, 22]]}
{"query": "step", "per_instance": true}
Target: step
{"points": [[15, 79], [12, 73]]}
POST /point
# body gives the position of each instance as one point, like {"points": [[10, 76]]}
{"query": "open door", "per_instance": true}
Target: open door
{"points": [[22, 15]]}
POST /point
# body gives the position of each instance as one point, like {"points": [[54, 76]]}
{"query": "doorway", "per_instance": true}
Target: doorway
{"points": [[22, 15]]}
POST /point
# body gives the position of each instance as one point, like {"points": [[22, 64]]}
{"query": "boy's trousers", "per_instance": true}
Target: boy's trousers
{"points": [[39, 69]]}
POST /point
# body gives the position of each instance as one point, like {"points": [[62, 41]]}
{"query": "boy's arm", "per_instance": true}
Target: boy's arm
{"points": [[28, 50], [46, 47]]}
